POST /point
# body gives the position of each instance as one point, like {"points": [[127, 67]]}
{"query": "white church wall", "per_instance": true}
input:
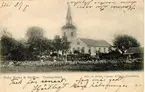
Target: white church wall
{"points": [[78, 45], [93, 51], [103, 49]]}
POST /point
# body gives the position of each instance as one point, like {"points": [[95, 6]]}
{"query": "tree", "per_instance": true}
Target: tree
{"points": [[18, 53], [7, 44], [124, 42], [57, 43], [35, 32], [11, 49], [37, 44], [65, 45]]}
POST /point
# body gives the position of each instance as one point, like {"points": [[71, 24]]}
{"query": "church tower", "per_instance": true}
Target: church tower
{"points": [[69, 30]]}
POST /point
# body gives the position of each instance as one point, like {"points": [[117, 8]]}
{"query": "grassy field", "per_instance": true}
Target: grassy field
{"points": [[72, 66]]}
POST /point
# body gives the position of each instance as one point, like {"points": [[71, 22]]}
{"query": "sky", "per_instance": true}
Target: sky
{"points": [[91, 23]]}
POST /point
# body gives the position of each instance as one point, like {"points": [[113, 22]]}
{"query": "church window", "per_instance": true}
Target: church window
{"points": [[99, 49], [83, 49], [89, 51], [104, 49], [71, 33]]}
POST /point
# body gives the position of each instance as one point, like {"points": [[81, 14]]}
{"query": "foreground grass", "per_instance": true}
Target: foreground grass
{"points": [[73, 66]]}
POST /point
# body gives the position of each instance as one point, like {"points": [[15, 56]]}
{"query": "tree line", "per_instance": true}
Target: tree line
{"points": [[33, 47], [36, 45]]}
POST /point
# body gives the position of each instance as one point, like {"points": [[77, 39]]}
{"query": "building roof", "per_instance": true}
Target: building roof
{"points": [[134, 50], [95, 43]]}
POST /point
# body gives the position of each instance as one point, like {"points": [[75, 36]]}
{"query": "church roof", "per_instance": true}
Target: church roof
{"points": [[95, 43]]}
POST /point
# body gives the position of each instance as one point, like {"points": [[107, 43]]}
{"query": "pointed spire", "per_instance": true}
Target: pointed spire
{"points": [[68, 19], [68, 16]]}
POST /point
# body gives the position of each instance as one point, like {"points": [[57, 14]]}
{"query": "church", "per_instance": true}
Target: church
{"points": [[83, 45]]}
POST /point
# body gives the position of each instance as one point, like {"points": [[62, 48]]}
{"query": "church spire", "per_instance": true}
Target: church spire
{"points": [[69, 30], [68, 16], [68, 24]]}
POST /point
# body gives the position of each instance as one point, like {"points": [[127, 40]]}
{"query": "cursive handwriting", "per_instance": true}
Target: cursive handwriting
{"points": [[15, 81], [56, 84], [81, 83], [31, 81], [44, 87], [102, 5], [20, 5]]}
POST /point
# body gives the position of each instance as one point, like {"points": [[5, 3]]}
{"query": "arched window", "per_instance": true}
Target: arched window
{"points": [[83, 49]]}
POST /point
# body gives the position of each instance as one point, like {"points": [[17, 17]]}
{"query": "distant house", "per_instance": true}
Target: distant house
{"points": [[134, 52], [90, 46]]}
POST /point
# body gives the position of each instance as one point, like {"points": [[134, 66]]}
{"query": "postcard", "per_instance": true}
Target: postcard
{"points": [[71, 45]]}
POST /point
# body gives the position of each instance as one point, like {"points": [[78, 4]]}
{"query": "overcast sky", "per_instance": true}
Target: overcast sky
{"points": [[91, 23]]}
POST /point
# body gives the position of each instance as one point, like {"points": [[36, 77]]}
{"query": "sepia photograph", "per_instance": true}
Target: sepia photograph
{"points": [[71, 36]]}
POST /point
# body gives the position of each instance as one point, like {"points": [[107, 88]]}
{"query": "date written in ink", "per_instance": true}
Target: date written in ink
{"points": [[20, 5]]}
